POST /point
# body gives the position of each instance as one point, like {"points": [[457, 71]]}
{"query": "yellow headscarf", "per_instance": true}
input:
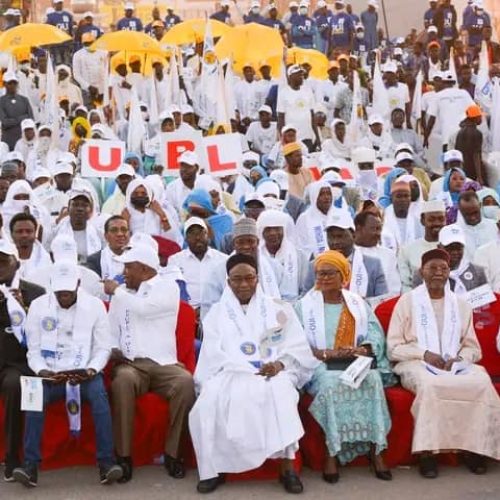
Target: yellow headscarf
{"points": [[337, 260], [84, 123]]}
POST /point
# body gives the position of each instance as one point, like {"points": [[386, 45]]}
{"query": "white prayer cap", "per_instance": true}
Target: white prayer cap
{"points": [[333, 178], [342, 2], [398, 51], [271, 218], [451, 234], [144, 239], [254, 3], [403, 156], [268, 188], [14, 156], [8, 248], [64, 248], [359, 26], [449, 77], [265, 109], [140, 253], [364, 155], [340, 218], [254, 197], [432, 206], [373, 3], [304, 3], [81, 108], [281, 177], [44, 127], [293, 4], [375, 118], [251, 156], [57, 1], [287, 128], [335, 122], [27, 123], [390, 67], [453, 155], [186, 108], [40, 173], [194, 221], [165, 115], [81, 193], [293, 69], [432, 29], [88, 14], [66, 157], [189, 158], [404, 146], [129, 6], [321, 4], [62, 168], [173, 108], [125, 169], [10, 76], [64, 276]]}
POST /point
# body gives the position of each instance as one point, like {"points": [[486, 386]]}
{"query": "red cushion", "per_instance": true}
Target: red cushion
{"points": [[486, 324]]}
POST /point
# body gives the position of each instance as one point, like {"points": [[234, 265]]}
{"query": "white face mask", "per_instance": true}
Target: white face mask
{"points": [[491, 212], [367, 178], [360, 35], [44, 143], [255, 10], [303, 11]]}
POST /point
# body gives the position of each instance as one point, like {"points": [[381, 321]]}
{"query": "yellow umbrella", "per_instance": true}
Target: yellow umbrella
{"points": [[193, 31], [133, 41], [147, 61], [249, 43], [315, 58], [31, 35]]}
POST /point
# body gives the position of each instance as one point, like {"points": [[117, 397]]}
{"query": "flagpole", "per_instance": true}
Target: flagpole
{"points": [[385, 20]]}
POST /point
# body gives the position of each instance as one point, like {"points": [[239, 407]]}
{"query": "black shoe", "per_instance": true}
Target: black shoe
{"points": [[291, 482], [428, 467], [331, 478], [8, 470], [209, 485], [127, 467], [384, 475], [175, 466], [108, 474], [476, 463], [27, 475]]}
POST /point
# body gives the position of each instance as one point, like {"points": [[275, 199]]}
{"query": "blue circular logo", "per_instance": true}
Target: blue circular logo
{"points": [[248, 348], [49, 324], [16, 318]]}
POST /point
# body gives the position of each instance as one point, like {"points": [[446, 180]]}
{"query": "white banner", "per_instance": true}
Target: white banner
{"points": [[102, 158]]}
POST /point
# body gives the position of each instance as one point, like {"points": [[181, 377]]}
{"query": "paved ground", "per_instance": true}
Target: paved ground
{"points": [[151, 483]]}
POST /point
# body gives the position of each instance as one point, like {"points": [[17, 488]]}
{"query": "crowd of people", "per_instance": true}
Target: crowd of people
{"points": [[375, 182]]}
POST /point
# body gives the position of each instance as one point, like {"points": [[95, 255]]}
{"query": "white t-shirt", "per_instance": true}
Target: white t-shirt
{"points": [[297, 106], [399, 96], [449, 108], [262, 139]]}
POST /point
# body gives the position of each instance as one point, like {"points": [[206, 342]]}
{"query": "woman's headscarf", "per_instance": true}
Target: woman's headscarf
{"points": [[385, 200], [200, 198], [217, 126], [261, 171], [337, 260], [446, 183], [84, 123], [485, 192], [130, 155], [133, 185]]}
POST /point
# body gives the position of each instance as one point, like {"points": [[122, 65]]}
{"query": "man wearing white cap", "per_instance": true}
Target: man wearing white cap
{"points": [[448, 109], [261, 134], [69, 343], [197, 262], [14, 108], [129, 22], [178, 190], [28, 138], [464, 275], [397, 92], [16, 296], [143, 317], [433, 218], [378, 138], [246, 95], [115, 204]]}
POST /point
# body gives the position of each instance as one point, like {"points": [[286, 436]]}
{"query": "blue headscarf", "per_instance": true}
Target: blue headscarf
{"points": [[221, 224], [261, 171], [446, 183], [385, 200]]}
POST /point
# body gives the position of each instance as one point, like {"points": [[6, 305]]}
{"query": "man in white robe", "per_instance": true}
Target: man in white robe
{"points": [[432, 340], [253, 358]]}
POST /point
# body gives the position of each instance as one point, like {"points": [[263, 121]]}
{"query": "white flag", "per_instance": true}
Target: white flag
{"points": [[416, 107], [355, 127], [136, 126], [380, 96]]}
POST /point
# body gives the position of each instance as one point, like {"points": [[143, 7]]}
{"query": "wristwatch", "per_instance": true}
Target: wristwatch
{"points": [[91, 372]]}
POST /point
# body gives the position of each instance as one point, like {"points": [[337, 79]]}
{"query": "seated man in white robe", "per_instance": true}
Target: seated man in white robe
{"points": [[69, 344], [432, 340], [253, 359]]}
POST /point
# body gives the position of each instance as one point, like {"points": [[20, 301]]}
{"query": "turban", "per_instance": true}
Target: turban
{"points": [[436, 253], [337, 260], [291, 148], [239, 258]]}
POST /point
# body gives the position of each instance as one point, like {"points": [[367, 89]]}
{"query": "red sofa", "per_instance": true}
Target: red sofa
{"points": [[486, 322]]}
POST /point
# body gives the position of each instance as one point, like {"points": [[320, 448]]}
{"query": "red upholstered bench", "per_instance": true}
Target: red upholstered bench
{"points": [[486, 322]]}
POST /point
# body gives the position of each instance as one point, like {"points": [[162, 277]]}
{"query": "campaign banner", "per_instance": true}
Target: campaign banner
{"points": [[102, 158]]}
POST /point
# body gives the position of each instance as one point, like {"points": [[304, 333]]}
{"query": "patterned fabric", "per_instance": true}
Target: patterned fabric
{"points": [[352, 419]]}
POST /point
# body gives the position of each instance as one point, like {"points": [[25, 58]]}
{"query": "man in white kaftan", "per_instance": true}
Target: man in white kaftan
{"points": [[253, 358]]}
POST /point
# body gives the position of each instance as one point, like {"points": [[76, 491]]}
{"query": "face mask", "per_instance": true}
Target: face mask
{"points": [[140, 201], [255, 10], [303, 11], [44, 143], [24, 66], [336, 192], [491, 212], [360, 36], [367, 178]]}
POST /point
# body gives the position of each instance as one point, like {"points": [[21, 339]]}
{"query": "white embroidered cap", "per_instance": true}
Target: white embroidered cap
{"points": [[340, 218], [451, 234], [64, 248], [64, 276], [194, 221]]}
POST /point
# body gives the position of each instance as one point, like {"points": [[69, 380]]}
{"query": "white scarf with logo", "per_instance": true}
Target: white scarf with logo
{"points": [[94, 243], [429, 338], [110, 267], [359, 275], [313, 317], [16, 312]]}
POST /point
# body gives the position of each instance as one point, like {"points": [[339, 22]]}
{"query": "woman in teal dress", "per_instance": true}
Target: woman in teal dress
{"points": [[340, 324]]}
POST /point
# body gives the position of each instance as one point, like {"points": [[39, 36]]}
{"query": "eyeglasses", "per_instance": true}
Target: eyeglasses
{"points": [[117, 230], [327, 275]]}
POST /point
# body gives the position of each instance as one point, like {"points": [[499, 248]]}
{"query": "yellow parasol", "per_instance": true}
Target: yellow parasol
{"points": [[249, 43], [31, 35], [317, 60], [133, 41], [147, 61], [193, 31]]}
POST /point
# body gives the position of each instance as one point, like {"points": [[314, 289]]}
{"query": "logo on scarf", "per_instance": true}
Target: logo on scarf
{"points": [[73, 407], [248, 348], [49, 324], [16, 318]]}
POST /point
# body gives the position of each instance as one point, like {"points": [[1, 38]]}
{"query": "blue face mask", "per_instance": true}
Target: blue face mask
{"points": [[491, 212]]}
